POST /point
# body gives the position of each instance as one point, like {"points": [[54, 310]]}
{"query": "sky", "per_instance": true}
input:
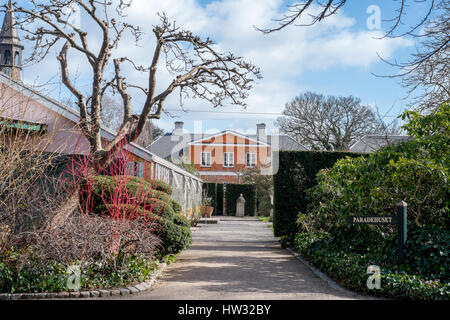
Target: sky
{"points": [[338, 56]]}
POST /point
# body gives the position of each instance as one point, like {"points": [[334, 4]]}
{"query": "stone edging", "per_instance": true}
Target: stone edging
{"points": [[103, 293], [320, 274]]}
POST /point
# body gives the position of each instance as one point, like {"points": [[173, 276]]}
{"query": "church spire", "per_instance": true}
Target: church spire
{"points": [[10, 46]]}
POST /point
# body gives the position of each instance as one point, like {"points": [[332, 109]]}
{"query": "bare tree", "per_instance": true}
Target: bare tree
{"points": [[112, 113], [112, 116], [156, 132], [198, 69], [330, 123], [425, 74], [310, 12]]}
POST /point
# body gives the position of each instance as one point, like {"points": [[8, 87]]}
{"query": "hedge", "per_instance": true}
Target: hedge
{"points": [[233, 191], [425, 274], [215, 191], [174, 231], [297, 173], [211, 191], [106, 184], [220, 198]]}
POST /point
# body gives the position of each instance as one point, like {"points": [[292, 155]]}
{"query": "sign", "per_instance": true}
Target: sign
{"points": [[372, 220], [399, 220]]}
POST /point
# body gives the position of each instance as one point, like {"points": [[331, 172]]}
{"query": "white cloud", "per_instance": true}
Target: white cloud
{"points": [[283, 56]]}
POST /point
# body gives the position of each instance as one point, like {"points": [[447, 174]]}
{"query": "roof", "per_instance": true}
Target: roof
{"points": [[170, 144], [9, 33], [74, 116], [372, 143]]}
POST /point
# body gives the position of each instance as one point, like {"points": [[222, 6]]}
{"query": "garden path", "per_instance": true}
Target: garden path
{"points": [[239, 258]]}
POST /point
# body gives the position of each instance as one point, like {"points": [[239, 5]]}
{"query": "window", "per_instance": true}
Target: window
{"points": [[228, 160], [251, 159], [7, 57], [206, 159], [17, 59], [136, 169]]}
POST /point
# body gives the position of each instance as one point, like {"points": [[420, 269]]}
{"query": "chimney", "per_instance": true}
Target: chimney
{"points": [[178, 128], [261, 132]]}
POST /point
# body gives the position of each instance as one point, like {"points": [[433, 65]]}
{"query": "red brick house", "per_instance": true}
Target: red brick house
{"points": [[224, 156]]}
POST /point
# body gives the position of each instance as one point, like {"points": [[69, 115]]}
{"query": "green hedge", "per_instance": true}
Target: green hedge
{"points": [[215, 191], [346, 253], [211, 191], [233, 191], [296, 174], [174, 229], [220, 199]]}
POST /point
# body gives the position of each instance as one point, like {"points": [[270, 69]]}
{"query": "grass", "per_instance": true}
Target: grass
{"points": [[267, 220], [264, 219]]}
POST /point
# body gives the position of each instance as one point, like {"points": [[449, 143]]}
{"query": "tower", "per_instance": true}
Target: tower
{"points": [[10, 46]]}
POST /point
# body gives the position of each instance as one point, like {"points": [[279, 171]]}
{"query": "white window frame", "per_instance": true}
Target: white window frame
{"points": [[226, 160], [253, 156], [210, 160]]}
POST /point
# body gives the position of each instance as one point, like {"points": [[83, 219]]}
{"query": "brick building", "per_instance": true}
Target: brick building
{"points": [[224, 156]]}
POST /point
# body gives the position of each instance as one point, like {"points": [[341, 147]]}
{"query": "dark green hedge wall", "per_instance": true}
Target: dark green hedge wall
{"points": [[220, 199], [211, 191], [297, 173], [233, 191], [215, 191]]}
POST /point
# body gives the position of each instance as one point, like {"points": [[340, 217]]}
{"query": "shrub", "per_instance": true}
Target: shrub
{"points": [[172, 229], [174, 237], [53, 277], [296, 174], [102, 248], [149, 183], [181, 220], [416, 172], [107, 185], [138, 200], [346, 261], [128, 212], [176, 206], [375, 184], [160, 185], [428, 252]]}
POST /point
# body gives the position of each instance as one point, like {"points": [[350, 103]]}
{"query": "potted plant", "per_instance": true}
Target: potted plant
{"points": [[206, 207]]}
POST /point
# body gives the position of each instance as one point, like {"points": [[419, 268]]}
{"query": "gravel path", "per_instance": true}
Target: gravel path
{"points": [[239, 258]]}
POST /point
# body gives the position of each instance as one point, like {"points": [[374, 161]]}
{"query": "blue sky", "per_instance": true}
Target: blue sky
{"points": [[337, 57]]}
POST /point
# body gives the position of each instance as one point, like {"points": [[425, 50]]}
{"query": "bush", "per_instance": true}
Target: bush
{"points": [[232, 193], [181, 220], [175, 237], [107, 186], [416, 172], [346, 261], [53, 277], [172, 229], [155, 206], [428, 252], [296, 174], [176, 206], [103, 249], [375, 184], [159, 185]]}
